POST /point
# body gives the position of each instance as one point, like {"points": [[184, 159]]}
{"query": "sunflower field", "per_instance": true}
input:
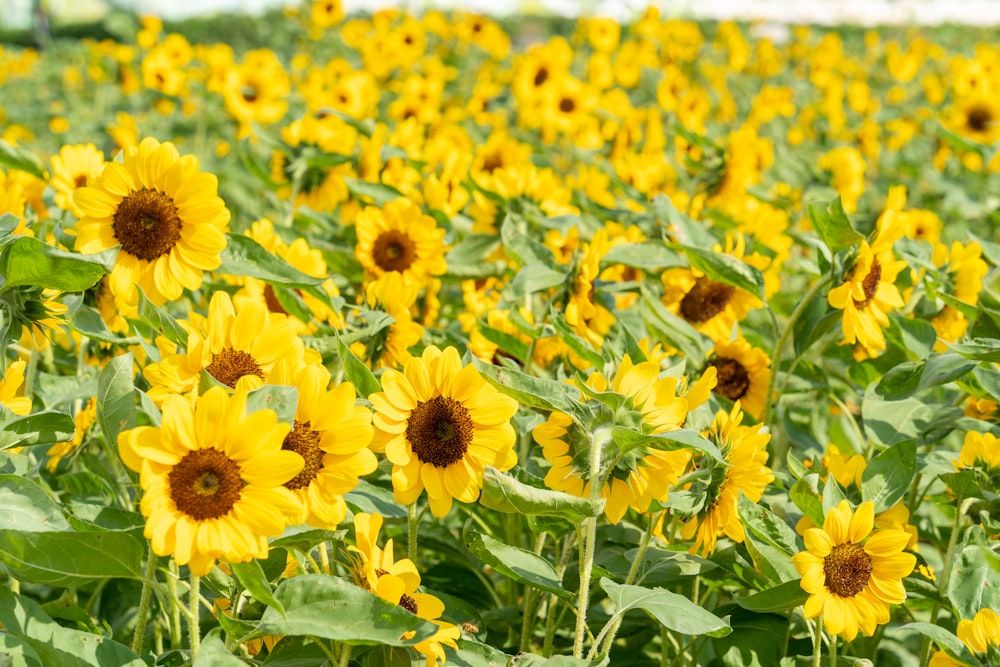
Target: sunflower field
{"points": [[435, 339]]}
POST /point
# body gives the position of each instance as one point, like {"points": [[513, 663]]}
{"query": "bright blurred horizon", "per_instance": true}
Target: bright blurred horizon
{"points": [[16, 14]]}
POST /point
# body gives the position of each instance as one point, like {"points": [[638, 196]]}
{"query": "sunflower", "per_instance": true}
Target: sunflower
{"points": [[645, 474], [845, 468], [982, 633], [238, 346], [979, 450], [744, 373], [965, 269], [376, 571], [12, 201], [745, 449], [326, 13], [41, 315], [9, 385], [164, 214], [212, 479], [82, 420], [868, 293], [73, 168], [852, 574], [392, 294], [441, 424], [332, 435], [399, 237], [590, 319]]}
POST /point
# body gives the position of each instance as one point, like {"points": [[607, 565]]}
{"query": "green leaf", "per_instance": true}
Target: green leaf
{"points": [[682, 227], [529, 390], [379, 193], [629, 439], [504, 493], [161, 321], [366, 497], [48, 643], [40, 428], [780, 598], [773, 563], [675, 330], [575, 342], [361, 376], [805, 494], [251, 576], [768, 526], [650, 256], [243, 256], [757, 640], [889, 422], [975, 580], [474, 654], [506, 343], [333, 608], [515, 563], [980, 349], [116, 397], [535, 278], [830, 221], [17, 158], [28, 261], [674, 612], [327, 346], [213, 653], [524, 249], [832, 495], [909, 377], [887, 477], [473, 249], [944, 639], [280, 398], [727, 269], [26, 507], [89, 322]]}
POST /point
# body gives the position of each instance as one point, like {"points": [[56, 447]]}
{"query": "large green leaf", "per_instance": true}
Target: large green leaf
{"points": [[40, 428], [44, 642], [780, 598], [243, 256], [474, 654], [17, 158], [673, 611], [727, 269], [360, 375], [525, 250], [944, 639], [650, 256], [504, 493], [116, 397], [28, 261], [530, 390], [830, 221], [251, 576], [887, 478], [908, 378], [161, 321], [681, 439], [213, 652], [333, 608], [379, 193], [768, 526], [516, 563], [975, 579]]}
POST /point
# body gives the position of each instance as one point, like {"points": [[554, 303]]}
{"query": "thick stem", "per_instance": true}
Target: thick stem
{"points": [[833, 650], [413, 520], [588, 537], [345, 655], [147, 591], [956, 528], [818, 643], [194, 622], [550, 618], [175, 607]]}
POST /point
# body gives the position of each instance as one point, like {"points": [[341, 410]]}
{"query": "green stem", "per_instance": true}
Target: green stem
{"points": [[588, 537], [29, 374], [550, 618], [147, 591], [780, 345], [175, 606], [345, 655], [833, 651], [818, 643], [956, 528], [326, 649], [194, 622], [412, 521], [324, 558]]}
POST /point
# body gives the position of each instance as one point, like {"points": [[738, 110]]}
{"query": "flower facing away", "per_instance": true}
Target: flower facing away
{"points": [[745, 450], [212, 479], [376, 571], [982, 633], [441, 424], [852, 574], [332, 435], [163, 212]]}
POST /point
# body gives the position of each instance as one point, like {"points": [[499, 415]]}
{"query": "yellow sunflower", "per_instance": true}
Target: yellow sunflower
{"points": [[590, 319], [441, 424], [744, 373], [868, 293], [82, 420], [981, 633], [391, 348], [238, 346], [212, 479], [163, 212], [979, 450], [745, 449], [332, 435], [845, 468], [645, 474], [965, 268], [376, 571], [852, 574], [9, 386], [399, 237], [73, 168]]}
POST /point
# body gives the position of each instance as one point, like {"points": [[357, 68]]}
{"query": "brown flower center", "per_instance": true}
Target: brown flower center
{"points": [[541, 76], [439, 431], [147, 224], [305, 442], [734, 380], [205, 484], [567, 105], [978, 119], [394, 250], [230, 365], [848, 569], [492, 162], [79, 180], [408, 603], [870, 284], [706, 299]]}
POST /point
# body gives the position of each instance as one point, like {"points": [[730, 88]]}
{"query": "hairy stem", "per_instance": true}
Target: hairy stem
{"points": [[147, 591], [588, 536]]}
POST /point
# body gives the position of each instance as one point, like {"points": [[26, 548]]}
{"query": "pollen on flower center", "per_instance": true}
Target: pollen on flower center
{"points": [[230, 365], [734, 380], [305, 442], [440, 431], [706, 299], [870, 284], [205, 484], [147, 224], [394, 251], [408, 603], [848, 569]]}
